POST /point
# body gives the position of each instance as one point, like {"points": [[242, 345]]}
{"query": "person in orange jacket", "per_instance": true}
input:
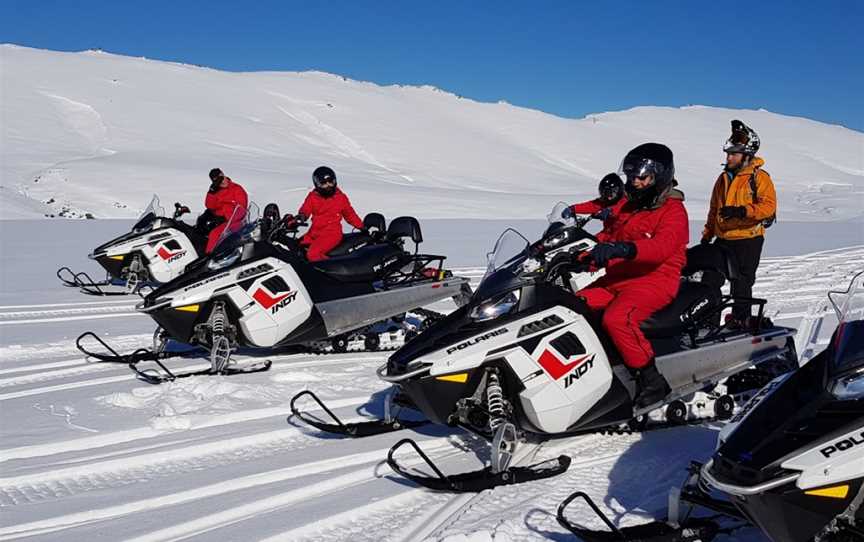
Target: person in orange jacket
{"points": [[743, 204], [226, 202], [327, 205]]}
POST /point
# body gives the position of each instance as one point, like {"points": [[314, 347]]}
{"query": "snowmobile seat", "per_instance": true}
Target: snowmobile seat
{"points": [[374, 222], [363, 265], [711, 261], [405, 226], [694, 299], [198, 241]]}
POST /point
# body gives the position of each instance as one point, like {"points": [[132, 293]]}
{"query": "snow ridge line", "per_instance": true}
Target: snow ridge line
{"points": [[122, 437], [232, 515]]}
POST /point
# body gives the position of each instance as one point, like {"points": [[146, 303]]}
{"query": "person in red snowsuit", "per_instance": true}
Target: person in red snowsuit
{"points": [[327, 205], [643, 251], [605, 207], [226, 201]]}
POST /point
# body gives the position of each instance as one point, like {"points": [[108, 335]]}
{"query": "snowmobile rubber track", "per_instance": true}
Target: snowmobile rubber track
{"points": [[151, 376], [353, 430], [324, 347], [479, 480], [690, 530]]}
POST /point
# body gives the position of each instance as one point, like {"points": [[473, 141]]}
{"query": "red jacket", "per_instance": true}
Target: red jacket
{"points": [[660, 234], [595, 206], [327, 213], [223, 202]]}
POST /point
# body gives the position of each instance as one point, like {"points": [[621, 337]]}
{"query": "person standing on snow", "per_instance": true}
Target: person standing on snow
{"points": [[226, 201], [743, 204], [611, 191], [643, 251], [327, 205]]}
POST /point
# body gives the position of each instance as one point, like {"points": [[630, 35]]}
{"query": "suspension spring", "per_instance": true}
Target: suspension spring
{"points": [[217, 319], [495, 401]]}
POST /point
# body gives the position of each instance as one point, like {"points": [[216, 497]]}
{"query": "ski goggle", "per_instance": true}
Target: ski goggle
{"points": [[643, 169], [327, 180]]}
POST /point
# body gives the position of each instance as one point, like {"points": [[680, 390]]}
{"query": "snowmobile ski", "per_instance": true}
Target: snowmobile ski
{"points": [[162, 373], [87, 285], [389, 424], [690, 530], [479, 480]]}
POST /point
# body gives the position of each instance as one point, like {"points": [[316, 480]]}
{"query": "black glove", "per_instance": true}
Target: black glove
{"points": [[602, 253], [603, 214], [705, 241], [567, 213], [729, 212]]}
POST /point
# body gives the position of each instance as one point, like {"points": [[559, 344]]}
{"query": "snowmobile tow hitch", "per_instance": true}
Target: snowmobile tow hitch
{"points": [[153, 376], [389, 424]]}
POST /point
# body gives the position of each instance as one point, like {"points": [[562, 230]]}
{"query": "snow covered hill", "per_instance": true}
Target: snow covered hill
{"points": [[98, 133]]}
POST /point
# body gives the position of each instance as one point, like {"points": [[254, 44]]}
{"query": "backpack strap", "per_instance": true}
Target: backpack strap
{"points": [[753, 182]]}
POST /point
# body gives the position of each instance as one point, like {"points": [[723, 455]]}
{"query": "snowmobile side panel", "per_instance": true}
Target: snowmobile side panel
{"points": [[714, 361], [839, 459], [350, 313]]}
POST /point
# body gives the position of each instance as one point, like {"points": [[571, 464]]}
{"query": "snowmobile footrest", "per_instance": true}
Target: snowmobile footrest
{"points": [[692, 530], [354, 430], [480, 480]]}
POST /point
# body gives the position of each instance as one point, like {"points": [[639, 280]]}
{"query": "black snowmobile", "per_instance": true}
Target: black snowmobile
{"points": [[259, 294], [791, 462], [527, 360]]}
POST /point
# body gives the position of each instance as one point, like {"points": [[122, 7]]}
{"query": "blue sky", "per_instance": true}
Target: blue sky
{"points": [[568, 58]]}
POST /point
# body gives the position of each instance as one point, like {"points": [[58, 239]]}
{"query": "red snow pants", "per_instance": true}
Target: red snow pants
{"points": [[628, 304]]}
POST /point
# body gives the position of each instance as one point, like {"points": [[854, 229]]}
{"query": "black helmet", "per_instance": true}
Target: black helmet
{"points": [[648, 159], [216, 174], [321, 175], [611, 189], [743, 139]]}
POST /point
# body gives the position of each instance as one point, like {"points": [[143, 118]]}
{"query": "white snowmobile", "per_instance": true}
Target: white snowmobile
{"points": [[791, 462], [527, 360], [257, 294], [157, 250]]}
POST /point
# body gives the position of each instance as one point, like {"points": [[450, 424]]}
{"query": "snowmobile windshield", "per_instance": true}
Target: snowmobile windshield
{"points": [[554, 216], [846, 365], [510, 249], [239, 228], [153, 211]]}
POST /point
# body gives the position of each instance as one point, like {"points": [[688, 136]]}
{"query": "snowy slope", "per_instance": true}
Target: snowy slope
{"points": [[98, 133], [89, 453]]}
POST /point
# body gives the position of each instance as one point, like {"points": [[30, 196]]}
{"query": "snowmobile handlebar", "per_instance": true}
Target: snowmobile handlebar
{"points": [[180, 210]]}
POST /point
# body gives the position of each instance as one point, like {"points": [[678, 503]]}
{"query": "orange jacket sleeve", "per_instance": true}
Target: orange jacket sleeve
{"points": [[765, 205], [716, 202]]}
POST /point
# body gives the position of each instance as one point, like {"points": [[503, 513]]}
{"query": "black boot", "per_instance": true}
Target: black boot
{"points": [[652, 386]]}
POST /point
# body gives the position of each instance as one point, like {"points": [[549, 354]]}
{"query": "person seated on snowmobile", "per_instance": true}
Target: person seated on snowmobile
{"points": [[226, 201], [611, 198], [643, 251], [327, 205]]}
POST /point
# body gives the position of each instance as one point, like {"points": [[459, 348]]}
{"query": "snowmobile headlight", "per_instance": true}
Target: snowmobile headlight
{"points": [[224, 260], [850, 386], [495, 307]]}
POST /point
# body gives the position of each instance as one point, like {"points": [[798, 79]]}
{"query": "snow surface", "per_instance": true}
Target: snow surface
{"points": [[98, 133], [90, 453]]}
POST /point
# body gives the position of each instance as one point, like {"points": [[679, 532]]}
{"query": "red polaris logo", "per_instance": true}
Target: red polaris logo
{"points": [[170, 256], [274, 303], [557, 368]]}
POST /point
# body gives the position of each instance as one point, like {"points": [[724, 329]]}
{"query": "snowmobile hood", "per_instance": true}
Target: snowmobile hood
{"points": [[804, 411], [458, 326]]}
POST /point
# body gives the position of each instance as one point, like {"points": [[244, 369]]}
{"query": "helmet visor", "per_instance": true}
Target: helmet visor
{"points": [[642, 169]]}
